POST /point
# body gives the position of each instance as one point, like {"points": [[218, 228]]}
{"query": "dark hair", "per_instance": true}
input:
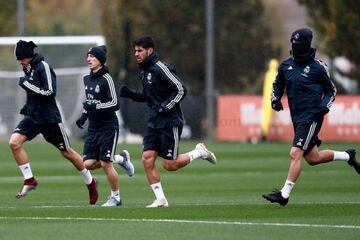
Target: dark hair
{"points": [[145, 42]]}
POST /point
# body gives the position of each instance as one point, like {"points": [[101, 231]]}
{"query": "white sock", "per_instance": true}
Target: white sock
{"points": [[158, 191], [344, 156], [194, 154], [86, 176], [286, 190], [116, 194], [118, 159], [26, 170]]}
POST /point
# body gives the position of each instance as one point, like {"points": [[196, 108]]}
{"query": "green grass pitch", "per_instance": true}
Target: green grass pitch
{"points": [[207, 201]]}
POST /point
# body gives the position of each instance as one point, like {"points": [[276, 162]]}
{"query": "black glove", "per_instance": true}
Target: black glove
{"points": [[88, 106], [81, 121], [22, 80], [160, 109], [27, 69], [125, 91], [276, 105], [323, 110], [24, 111]]}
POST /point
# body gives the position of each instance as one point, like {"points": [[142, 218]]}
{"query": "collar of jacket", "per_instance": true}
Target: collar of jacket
{"points": [[99, 73], [36, 59], [305, 58], [149, 61]]}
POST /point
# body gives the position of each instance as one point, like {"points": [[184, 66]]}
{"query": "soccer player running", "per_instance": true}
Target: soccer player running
{"points": [[103, 130], [42, 116], [310, 94], [162, 91]]}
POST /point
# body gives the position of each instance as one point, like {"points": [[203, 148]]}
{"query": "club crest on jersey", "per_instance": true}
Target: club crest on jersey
{"points": [[97, 89], [306, 71], [148, 77]]}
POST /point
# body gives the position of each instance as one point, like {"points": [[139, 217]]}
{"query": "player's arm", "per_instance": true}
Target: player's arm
{"points": [[82, 119], [178, 90], [137, 96], [112, 103], [278, 90], [49, 84], [328, 88]]}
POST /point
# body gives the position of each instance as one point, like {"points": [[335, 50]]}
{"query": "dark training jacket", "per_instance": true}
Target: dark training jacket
{"points": [[162, 91], [100, 89], [308, 87], [40, 86]]}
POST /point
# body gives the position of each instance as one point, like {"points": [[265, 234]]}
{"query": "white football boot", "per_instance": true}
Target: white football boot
{"points": [[112, 202], [205, 153], [127, 164], [158, 203]]}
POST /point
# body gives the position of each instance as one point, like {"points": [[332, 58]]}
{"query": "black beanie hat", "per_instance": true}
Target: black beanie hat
{"points": [[302, 35], [24, 49], [99, 52]]}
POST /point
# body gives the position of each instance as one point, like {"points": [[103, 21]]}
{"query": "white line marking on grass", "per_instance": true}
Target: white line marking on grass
{"points": [[64, 206], [50, 206], [179, 204], [325, 203], [186, 221]]}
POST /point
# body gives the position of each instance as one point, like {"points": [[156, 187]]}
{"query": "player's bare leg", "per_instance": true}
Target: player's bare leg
{"points": [[78, 163], [184, 159], [21, 157], [315, 156], [113, 180], [153, 176], [16, 145]]}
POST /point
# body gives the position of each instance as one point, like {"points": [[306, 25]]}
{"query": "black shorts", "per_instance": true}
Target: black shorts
{"points": [[165, 141], [306, 136], [53, 133], [101, 145]]}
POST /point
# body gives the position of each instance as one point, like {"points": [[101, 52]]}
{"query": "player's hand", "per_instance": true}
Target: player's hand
{"points": [[276, 105], [81, 121], [89, 105], [324, 110], [125, 91], [22, 80], [27, 69], [23, 110], [160, 109]]}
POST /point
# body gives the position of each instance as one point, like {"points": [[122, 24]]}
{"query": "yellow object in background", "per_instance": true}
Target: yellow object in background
{"points": [[266, 100]]}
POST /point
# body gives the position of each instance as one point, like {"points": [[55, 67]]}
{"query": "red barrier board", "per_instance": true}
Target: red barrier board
{"points": [[239, 118]]}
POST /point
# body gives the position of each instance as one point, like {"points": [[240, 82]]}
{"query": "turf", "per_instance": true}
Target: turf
{"points": [[207, 201]]}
